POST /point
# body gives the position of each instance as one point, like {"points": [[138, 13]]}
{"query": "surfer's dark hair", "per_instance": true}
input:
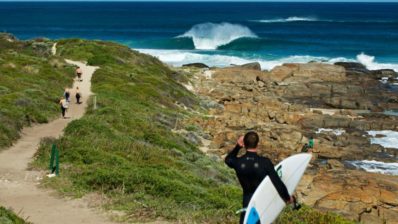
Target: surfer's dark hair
{"points": [[251, 140]]}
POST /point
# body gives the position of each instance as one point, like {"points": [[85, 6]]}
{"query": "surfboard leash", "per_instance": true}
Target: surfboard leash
{"points": [[241, 211]]}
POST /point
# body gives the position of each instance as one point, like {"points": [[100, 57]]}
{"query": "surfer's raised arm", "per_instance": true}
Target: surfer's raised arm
{"points": [[231, 157], [276, 181]]}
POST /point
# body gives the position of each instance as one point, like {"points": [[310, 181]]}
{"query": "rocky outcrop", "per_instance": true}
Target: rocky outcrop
{"points": [[308, 72], [276, 104], [384, 73], [354, 68], [236, 75], [365, 197], [196, 65]]}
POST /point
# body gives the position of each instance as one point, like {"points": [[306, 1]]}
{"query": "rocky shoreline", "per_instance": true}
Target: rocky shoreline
{"points": [[336, 104]]}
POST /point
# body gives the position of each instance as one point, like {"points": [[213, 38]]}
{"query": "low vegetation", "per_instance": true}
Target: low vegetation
{"points": [[9, 217], [31, 82], [307, 215], [125, 150]]}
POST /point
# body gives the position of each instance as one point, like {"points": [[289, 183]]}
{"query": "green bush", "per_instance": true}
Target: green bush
{"points": [[307, 215], [126, 150]]}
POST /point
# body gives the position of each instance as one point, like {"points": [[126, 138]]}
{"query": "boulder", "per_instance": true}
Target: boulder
{"points": [[296, 72], [381, 73], [328, 152], [313, 122], [365, 197], [320, 71], [196, 65], [353, 68], [280, 73], [335, 164], [253, 66]]}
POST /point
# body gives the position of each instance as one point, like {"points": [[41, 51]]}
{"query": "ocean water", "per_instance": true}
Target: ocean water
{"points": [[373, 166], [388, 139], [219, 33]]}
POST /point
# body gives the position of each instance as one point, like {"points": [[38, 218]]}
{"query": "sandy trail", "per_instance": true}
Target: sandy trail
{"points": [[19, 187]]}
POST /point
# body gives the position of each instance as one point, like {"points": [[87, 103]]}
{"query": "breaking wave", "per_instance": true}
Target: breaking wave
{"points": [[210, 36], [386, 138], [371, 64], [314, 19], [373, 166], [180, 57], [287, 20]]}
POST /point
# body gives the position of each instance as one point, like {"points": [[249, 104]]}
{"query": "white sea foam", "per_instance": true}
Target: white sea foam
{"points": [[334, 131], [180, 57], [371, 64], [210, 36], [373, 166], [287, 20], [314, 19], [389, 141]]}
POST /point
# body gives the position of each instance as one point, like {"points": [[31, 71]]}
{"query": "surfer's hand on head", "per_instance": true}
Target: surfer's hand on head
{"points": [[240, 141]]}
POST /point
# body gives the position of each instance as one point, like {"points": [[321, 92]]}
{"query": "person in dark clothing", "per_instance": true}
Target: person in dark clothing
{"points": [[78, 96], [251, 169], [64, 106], [67, 94]]}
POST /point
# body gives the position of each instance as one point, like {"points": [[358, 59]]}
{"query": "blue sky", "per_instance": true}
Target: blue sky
{"points": [[220, 0]]}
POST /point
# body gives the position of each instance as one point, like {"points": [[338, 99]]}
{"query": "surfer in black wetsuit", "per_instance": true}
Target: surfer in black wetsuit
{"points": [[251, 169]]}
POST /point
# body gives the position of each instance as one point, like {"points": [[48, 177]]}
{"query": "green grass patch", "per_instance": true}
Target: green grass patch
{"points": [[31, 82], [307, 215], [126, 151], [9, 217]]}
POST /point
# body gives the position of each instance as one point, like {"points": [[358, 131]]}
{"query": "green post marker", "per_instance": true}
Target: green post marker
{"points": [[56, 161], [54, 156]]}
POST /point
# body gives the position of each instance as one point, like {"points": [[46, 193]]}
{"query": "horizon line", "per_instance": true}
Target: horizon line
{"points": [[209, 1]]}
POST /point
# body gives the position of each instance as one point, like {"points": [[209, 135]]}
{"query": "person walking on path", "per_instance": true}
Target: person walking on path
{"points": [[78, 95], [67, 95], [64, 106], [79, 73], [251, 169]]}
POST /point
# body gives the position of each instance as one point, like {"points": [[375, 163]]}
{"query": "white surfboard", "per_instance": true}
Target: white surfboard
{"points": [[266, 204]]}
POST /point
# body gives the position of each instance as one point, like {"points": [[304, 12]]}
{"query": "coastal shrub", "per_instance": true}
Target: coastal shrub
{"points": [[30, 89], [126, 151], [311, 216]]}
